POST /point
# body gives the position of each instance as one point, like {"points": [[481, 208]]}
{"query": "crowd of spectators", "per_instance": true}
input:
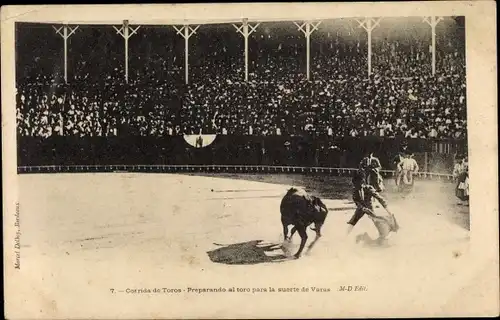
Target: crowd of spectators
{"points": [[400, 98]]}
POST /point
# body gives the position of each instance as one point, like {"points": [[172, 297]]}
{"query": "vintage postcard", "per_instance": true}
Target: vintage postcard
{"points": [[251, 160]]}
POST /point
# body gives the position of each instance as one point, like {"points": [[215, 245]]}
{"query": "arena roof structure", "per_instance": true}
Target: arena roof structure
{"points": [[169, 14], [185, 19], [185, 28]]}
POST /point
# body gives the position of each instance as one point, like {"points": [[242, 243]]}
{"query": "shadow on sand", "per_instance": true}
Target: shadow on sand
{"points": [[250, 252]]}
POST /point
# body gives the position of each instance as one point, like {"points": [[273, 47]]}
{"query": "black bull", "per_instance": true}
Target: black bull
{"points": [[301, 210]]}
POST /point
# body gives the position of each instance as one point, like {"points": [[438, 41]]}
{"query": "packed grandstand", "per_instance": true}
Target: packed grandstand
{"points": [[401, 97]]}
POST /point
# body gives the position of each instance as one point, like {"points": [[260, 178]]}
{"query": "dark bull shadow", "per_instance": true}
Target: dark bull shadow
{"points": [[245, 253]]}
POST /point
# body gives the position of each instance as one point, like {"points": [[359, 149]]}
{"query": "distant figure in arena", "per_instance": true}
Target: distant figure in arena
{"points": [[199, 142], [371, 167], [363, 195], [408, 167], [461, 176], [398, 172]]}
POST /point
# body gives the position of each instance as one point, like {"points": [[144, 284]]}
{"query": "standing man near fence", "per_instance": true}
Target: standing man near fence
{"points": [[461, 176], [199, 141], [371, 167], [397, 161], [408, 168]]}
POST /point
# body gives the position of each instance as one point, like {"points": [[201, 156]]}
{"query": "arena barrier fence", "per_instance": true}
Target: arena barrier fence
{"points": [[213, 169], [230, 153]]}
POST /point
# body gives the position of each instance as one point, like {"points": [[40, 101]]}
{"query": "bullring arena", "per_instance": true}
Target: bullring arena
{"points": [[221, 229], [150, 172]]}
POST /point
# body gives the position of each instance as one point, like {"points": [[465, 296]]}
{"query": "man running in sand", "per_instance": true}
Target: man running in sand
{"points": [[363, 195]]}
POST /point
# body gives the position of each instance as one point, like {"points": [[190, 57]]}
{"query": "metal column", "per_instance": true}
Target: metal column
{"points": [[432, 21], [246, 32], [186, 32], [369, 24], [124, 32], [65, 35], [307, 33]]}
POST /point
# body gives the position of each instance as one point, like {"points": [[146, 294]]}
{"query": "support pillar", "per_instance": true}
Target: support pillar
{"points": [[307, 30], [369, 24], [65, 35], [246, 30], [432, 21], [126, 31], [186, 31]]}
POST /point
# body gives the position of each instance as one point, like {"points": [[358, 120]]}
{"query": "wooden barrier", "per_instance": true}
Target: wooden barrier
{"points": [[214, 168]]}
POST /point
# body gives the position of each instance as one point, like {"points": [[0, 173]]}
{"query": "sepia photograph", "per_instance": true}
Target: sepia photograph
{"points": [[291, 160]]}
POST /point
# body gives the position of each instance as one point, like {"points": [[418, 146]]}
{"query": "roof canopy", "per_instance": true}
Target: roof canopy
{"points": [[168, 14]]}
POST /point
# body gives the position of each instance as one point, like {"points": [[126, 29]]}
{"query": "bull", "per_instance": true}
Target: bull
{"points": [[300, 209]]}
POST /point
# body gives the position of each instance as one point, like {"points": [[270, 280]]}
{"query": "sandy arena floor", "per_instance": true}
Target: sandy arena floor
{"points": [[83, 234]]}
